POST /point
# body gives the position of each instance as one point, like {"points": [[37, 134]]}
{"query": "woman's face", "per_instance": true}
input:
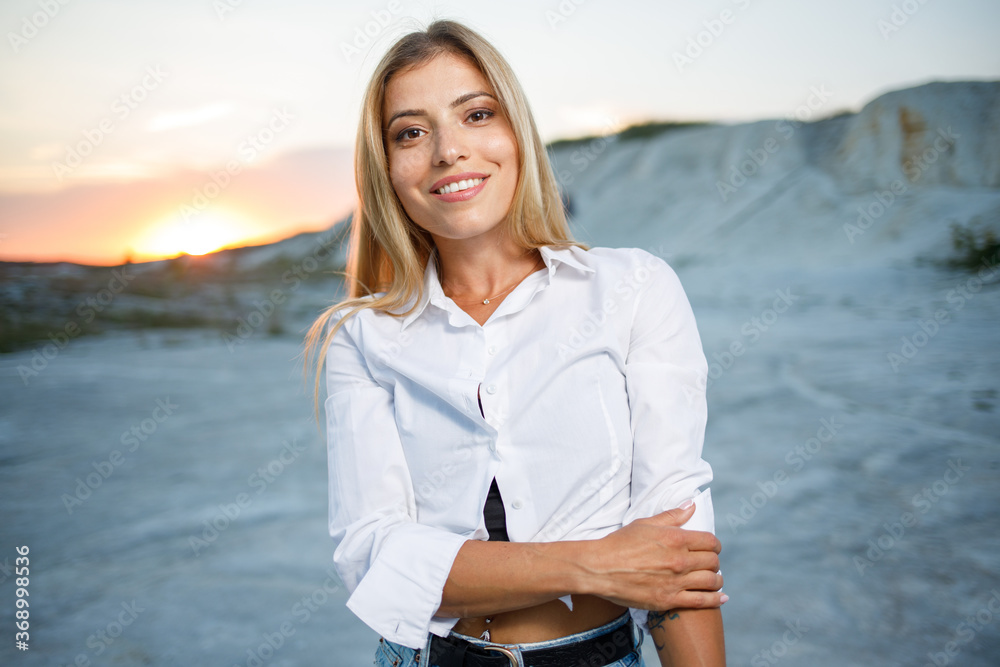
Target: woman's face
{"points": [[453, 158]]}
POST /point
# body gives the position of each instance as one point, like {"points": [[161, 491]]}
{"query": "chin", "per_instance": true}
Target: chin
{"points": [[463, 227]]}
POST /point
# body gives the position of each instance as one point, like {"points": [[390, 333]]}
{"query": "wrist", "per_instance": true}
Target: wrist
{"points": [[586, 576], [568, 567]]}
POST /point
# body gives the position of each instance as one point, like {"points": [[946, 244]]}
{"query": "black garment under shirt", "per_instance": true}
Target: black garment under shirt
{"points": [[493, 511]]}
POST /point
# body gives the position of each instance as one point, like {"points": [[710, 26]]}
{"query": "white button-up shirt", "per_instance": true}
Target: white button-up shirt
{"points": [[591, 376]]}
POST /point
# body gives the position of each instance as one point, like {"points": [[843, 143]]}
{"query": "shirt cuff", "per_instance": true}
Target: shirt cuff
{"points": [[703, 520], [704, 514], [401, 591]]}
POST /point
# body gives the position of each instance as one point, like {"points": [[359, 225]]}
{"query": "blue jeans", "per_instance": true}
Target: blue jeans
{"points": [[390, 654]]}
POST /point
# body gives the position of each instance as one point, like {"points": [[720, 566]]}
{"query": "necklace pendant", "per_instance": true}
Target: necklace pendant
{"points": [[486, 302]]}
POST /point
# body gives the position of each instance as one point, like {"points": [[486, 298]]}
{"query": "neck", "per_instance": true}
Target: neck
{"points": [[476, 271]]}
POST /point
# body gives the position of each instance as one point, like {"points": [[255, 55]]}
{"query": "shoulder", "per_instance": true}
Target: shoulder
{"points": [[360, 319], [601, 257], [638, 268]]}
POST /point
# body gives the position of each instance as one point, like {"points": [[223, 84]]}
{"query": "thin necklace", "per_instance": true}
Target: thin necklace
{"points": [[487, 300]]}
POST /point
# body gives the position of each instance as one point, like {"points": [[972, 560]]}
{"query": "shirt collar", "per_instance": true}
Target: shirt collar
{"points": [[432, 293]]}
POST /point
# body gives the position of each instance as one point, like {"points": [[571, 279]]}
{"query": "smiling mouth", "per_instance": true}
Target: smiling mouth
{"points": [[458, 186]]}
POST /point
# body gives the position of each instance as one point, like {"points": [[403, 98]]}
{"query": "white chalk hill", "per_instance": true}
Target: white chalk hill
{"points": [[874, 186]]}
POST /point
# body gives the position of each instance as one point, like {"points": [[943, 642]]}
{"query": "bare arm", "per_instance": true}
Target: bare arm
{"points": [[688, 637], [649, 564]]}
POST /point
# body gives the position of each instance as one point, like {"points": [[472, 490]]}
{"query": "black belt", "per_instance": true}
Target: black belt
{"points": [[603, 649]]}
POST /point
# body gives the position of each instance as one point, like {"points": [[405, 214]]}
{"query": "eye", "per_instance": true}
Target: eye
{"points": [[480, 115], [409, 133]]}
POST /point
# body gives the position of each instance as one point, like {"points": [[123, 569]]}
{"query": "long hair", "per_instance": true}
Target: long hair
{"points": [[388, 252]]}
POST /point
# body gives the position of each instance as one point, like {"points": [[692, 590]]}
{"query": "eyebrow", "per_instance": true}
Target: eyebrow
{"points": [[458, 102]]}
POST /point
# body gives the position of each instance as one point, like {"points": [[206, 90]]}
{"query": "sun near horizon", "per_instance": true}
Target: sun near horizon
{"points": [[196, 234]]}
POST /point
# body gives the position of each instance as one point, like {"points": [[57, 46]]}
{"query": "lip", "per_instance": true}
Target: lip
{"points": [[462, 195]]}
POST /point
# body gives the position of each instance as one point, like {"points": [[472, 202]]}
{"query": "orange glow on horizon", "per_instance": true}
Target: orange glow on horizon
{"points": [[200, 234]]}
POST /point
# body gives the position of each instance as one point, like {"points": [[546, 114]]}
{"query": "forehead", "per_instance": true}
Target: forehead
{"points": [[433, 84]]}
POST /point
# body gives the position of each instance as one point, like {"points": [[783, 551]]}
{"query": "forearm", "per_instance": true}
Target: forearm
{"points": [[649, 564], [493, 577], [688, 637]]}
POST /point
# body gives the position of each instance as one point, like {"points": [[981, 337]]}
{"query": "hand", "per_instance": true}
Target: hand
{"points": [[654, 564]]}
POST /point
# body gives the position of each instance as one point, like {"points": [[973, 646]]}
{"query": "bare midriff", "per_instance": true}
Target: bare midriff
{"points": [[543, 622]]}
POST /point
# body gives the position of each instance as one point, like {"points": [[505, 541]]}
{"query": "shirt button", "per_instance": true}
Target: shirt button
{"points": [[491, 350], [517, 504], [492, 389]]}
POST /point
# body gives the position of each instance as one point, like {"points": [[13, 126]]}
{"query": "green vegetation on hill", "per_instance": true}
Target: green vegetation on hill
{"points": [[638, 131], [975, 244]]}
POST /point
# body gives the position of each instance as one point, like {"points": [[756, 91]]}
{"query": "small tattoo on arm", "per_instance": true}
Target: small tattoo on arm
{"points": [[656, 619]]}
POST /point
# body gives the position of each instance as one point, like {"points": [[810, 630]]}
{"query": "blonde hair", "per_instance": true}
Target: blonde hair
{"points": [[388, 252]]}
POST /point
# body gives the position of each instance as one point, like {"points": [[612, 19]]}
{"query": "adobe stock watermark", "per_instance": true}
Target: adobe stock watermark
{"points": [[225, 7], [922, 502], [364, 35], [134, 437], [558, 526], [432, 482], [581, 158], [899, 16], [264, 309], [248, 150], [928, 328], [301, 612], [913, 168], [35, 23], [623, 291], [405, 339], [704, 39], [779, 648], [966, 631], [104, 637], [740, 174], [121, 108], [87, 310], [260, 480], [562, 12], [752, 330], [797, 457]]}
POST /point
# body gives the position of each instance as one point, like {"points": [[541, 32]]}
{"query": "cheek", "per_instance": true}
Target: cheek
{"points": [[401, 176], [502, 149]]}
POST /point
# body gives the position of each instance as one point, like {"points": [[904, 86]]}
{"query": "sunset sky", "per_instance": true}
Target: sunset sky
{"points": [[144, 129]]}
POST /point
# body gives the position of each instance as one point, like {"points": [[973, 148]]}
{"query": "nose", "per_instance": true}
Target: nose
{"points": [[450, 146]]}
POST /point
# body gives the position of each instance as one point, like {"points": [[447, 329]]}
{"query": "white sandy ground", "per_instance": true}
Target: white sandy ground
{"points": [[792, 562], [918, 443]]}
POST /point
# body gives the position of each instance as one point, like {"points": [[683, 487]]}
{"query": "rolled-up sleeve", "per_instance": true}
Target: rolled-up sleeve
{"points": [[394, 568], [666, 375]]}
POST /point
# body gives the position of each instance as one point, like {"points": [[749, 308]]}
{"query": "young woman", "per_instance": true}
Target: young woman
{"points": [[515, 422]]}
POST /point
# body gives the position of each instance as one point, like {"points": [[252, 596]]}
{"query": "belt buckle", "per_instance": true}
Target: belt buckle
{"points": [[505, 651]]}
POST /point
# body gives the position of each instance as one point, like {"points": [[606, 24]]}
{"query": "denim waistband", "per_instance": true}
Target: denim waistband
{"points": [[518, 649]]}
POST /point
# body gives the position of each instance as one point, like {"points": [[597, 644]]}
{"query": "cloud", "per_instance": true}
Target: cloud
{"points": [[171, 120], [98, 222]]}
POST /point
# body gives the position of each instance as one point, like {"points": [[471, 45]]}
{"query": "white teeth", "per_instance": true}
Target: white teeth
{"points": [[459, 185]]}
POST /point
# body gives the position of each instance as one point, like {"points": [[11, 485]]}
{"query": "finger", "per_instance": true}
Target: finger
{"points": [[674, 517], [699, 540], [690, 540], [702, 580], [700, 599], [703, 561]]}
